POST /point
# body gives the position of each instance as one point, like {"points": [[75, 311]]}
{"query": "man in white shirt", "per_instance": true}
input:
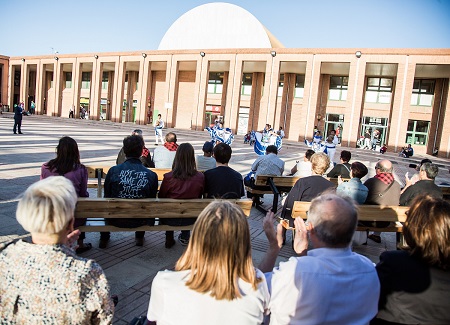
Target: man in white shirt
{"points": [[159, 124], [163, 156], [328, 284], [206, 161]]}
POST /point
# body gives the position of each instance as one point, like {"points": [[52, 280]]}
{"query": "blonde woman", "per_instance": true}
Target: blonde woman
{"points": [[214, 281], [45, 281]]}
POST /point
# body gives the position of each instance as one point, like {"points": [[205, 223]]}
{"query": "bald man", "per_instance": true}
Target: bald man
{"points": [[329, 277], [383, 190]]}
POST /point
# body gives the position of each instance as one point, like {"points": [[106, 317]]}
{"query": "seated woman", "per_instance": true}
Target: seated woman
{"points": [[214, 281], [67, 163], [45, 281], [415, 281], [183, 182], [354, 188]]}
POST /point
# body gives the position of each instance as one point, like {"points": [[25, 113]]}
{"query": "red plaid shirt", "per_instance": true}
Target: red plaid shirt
{"points": [[386, 178]]}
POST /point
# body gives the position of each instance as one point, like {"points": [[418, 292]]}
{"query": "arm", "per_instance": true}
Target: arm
{"points": [[84, 180], [108, 186], [275, 239], [164, 188], [294, 169], [98, 298], [335, 172]]}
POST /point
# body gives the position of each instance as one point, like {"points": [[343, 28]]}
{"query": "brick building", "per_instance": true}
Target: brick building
{"points": [[248, 82]]}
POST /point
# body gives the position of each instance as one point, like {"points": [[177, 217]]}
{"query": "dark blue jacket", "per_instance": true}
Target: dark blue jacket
{"points": [[131, 180], [18, 112]]}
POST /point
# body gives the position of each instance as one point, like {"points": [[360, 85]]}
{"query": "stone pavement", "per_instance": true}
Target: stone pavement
{"points": [[130, 269]]}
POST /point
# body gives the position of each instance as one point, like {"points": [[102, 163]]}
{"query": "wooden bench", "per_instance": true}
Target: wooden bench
{"points": [[96, 209], [97, 174], [394, 214], [445, 191], [277, 185]]}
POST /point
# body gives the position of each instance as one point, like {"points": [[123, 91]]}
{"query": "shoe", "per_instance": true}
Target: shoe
{"points": [[183, 242], [15, 132], [375, 238], [140, 241], [115, 299], [103, 243], [256, 201], [84, 248], [169, 242], [20, 133]]}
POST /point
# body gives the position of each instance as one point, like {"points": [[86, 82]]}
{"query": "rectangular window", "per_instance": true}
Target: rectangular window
{"points": [[68, 76], [215, 83], [281, 85], [338, 88], [86, 80], [247, 80], [299, 85], [423, 92], [105, 80], [379, 90], [417, 132]]}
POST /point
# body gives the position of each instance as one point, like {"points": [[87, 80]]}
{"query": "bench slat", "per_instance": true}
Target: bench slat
{"points": [[366, 212]]}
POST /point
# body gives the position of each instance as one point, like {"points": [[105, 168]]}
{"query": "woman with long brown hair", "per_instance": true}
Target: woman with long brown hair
{"points": [[214, 281], [67, 163], [183, 182], [415, 281]]}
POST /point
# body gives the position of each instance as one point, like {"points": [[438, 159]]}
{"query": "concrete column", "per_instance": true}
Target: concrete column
{"points": [[312, 77], [23, 84], [76, 80], [201, 89], [401, 103], [95, 91], [142, 91], [119, 85], [355, 94], [444, 147], [39, 100], [57, 75], [171, 86], [234, 91]]}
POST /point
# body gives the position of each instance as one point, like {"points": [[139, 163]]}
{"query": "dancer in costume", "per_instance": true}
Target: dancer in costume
{"points": [[220, 134], [266, 138], [316, 143]]}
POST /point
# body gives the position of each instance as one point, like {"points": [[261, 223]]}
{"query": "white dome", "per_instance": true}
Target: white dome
{"points": [[217, 25]]}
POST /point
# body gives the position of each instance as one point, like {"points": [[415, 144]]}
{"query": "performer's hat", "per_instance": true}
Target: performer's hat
{"points": [[208, 146]]}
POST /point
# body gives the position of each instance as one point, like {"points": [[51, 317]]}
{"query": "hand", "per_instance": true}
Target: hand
{"points": [[301, 237], [340, 181], [72, 239], [275, 238]]}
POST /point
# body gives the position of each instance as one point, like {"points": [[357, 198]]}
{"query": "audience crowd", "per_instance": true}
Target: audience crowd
{"points": [[215, 281]]}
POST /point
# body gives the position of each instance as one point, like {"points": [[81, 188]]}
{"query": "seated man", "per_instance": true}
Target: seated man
{"points": [[342, 169], [206, 161], [269, 164], [223, 181], [145, 158], [328, 284], [130, 180], [407, 151], [425, 184], [164, 156]]}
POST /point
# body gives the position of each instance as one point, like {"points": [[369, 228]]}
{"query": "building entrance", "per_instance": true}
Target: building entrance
{"points": [[372, 124], [334, 122]]}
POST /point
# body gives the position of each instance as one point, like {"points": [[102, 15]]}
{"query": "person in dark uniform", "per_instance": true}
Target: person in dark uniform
{"points": [[18, 114]]}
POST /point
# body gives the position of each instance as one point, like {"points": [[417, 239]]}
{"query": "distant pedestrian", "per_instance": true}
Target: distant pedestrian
{"points": [[71, 112], [32, 108], [159, 124], [18, 114]]}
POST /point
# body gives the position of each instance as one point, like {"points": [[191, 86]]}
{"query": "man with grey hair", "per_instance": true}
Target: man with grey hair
{"points": [[427, 174], [328, 284], [383, 190]]}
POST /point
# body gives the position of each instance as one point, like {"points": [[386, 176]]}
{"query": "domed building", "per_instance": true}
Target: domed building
{"points": [[218, 61]]}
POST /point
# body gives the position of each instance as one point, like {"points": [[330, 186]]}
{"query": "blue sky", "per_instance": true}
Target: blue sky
{"points": [[34, 27]]}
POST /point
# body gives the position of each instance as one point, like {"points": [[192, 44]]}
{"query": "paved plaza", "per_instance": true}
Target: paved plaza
{"points": [[130, 269]]}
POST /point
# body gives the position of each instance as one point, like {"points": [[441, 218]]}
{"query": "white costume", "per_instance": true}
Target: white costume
{"points": [[159, 124]]}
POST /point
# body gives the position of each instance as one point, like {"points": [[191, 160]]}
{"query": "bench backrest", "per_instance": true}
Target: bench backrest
{"points": [[279, 181], [93, 171], [147, 208], [365, 212]]}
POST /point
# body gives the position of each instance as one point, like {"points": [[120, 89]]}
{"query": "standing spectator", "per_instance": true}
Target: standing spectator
{"points": [[342, 169], [303, 168], [130, 180], [214, 280], [367, 138], [223, 181], [18, 114], [269, 164], [206, 161], [45, 282], [67, 163], [32, 108], [415, 281], [354, 188], [328, 284], [425, 185], [383, 190], [146, 157], [183, 182], [280, 132], [159, 124], [375, 139], [163, 156], [72, 111]]}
